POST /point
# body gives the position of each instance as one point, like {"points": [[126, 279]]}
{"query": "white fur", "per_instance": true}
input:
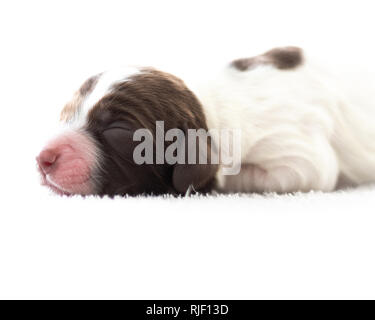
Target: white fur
{"points": [[103, 87], [300, 130]]}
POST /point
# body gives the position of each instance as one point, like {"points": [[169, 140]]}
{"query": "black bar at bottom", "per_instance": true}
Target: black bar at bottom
{"points": [[183, 309]]}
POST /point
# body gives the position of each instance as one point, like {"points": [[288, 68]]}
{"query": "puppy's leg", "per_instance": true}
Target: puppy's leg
{"points": [[298, 167]]}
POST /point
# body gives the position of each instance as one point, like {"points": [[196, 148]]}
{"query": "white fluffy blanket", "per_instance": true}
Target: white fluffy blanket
{"points": [[238, 246]]}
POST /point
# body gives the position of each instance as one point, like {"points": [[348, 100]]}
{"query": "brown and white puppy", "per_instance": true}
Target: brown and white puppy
{"points": [[300, 130], [95, 154]]}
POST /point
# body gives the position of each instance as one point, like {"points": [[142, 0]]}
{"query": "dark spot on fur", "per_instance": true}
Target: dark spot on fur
{"points": [[245, 64], [281, 58], [285, 58]]}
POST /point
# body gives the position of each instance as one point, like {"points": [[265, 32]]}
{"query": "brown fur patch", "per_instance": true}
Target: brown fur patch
{"points": [[285, 58], [150, 96], [245, 63], [139, 102], [74, 104]]}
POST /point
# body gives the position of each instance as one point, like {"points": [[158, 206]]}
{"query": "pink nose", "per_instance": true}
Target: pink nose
{"points": [[46, 159]]}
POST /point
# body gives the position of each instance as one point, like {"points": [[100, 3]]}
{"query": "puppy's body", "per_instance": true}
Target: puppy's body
{"points": [[300, 130]]}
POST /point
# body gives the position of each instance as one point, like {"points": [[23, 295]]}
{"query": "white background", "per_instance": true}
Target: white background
{"points": [[304, 246]]}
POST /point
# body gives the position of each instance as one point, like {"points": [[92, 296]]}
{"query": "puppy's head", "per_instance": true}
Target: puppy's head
{"points": [[95, 153]]}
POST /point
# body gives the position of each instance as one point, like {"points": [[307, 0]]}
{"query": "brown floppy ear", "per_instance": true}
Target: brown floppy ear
{"points": [[198, 175]]}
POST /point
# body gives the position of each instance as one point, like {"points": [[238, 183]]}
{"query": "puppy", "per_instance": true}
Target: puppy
{"points": [[298, 131]]}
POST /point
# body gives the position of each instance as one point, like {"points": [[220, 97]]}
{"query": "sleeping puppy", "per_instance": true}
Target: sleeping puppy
{"points": [[298, 132]]}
